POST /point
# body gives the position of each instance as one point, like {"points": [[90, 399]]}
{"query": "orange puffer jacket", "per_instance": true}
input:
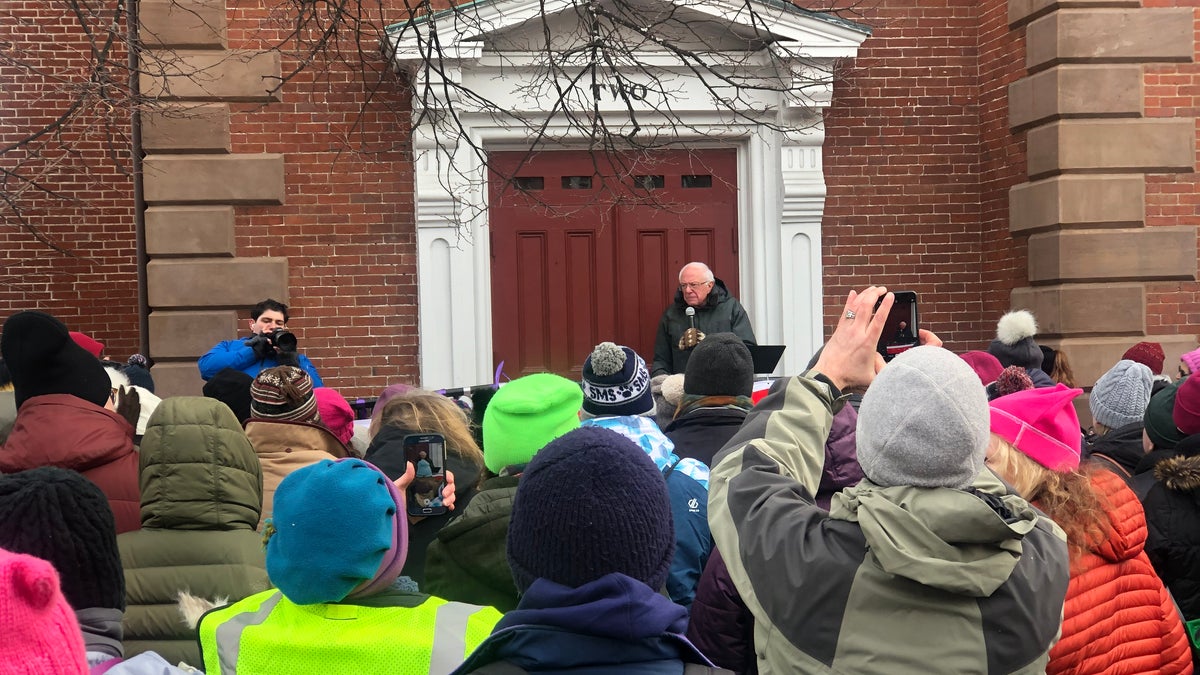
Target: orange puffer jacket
{"points": [[1118, 616]]}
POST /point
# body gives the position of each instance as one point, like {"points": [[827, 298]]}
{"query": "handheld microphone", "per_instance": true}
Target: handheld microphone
{"points": [[691, 314]]}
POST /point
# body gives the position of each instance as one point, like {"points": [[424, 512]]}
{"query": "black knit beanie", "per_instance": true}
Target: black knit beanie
{"points": [[62, 517], [591, 503], [43, 359], [719, 366], [231, 387]]}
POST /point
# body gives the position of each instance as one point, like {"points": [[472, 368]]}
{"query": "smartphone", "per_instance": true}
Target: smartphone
{"points": [[427, 452], [900, 332]]}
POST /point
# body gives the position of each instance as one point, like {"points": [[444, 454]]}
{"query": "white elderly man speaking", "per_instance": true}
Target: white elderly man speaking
{"points": [[713, 310]]}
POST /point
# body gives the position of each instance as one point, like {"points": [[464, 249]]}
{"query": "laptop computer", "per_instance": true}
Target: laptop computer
{"points": [[765, 357]]}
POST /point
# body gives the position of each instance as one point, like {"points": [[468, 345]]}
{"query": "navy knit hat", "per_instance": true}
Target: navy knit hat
{"points": [[60, 516], [339, 530], [591, 503], [43, 359], [616, 382], [1014, 344]]}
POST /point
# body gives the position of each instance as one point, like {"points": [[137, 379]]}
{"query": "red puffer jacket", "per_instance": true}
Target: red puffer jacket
{"points": [[71, 433], [1118, 616]]}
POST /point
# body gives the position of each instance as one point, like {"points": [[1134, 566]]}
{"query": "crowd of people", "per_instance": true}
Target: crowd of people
{"points": [[940, 513]]}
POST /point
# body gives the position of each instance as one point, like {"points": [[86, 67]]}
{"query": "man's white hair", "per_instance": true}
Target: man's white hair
{"points": [[708, 275]]}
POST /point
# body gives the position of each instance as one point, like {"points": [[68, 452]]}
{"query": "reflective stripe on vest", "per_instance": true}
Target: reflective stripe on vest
{"points": [[229, 633], [435, 636]]}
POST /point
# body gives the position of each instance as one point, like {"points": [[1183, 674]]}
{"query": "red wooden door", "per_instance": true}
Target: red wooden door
{"points": [[577, 260]]}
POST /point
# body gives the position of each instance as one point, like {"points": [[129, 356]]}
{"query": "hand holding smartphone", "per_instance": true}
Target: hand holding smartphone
{"points": [[901, 332], [427, 453]]}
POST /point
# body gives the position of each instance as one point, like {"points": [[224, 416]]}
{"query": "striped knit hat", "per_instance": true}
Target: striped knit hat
{"points": [[283, 394]]}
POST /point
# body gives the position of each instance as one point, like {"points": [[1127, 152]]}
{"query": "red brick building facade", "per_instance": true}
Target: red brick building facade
{"points": [[971, 148]]}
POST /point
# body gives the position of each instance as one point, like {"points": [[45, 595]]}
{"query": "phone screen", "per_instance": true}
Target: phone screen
{"points": [[900, 332], [427, 454]]}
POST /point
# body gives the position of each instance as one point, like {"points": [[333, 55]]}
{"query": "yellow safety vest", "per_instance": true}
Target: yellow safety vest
{"points": [[266, 634]]}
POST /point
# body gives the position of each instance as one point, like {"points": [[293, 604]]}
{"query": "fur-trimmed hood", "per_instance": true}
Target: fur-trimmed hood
{"points": [[1180, 473]]}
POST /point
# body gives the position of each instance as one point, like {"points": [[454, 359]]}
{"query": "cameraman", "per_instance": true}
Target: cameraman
{"points": [[271, 345]]}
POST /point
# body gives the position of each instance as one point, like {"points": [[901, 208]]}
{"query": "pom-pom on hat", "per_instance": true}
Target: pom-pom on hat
{"points": [[616, 382], [923, 422], [591, 503], [986, 366], [338, 531], [1159, 421], [1186, 411], [1119, 398], [283, 394], [525, 415], [40, 632], [1011, 380], [60, 516], [336, 413], [231, 387], [1014, 345], [1149, 354], [719, 366], [1041, 423], [43, 359]]}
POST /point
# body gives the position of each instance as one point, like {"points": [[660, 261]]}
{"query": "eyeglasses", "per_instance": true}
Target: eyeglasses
{"points": [[694, 285]]}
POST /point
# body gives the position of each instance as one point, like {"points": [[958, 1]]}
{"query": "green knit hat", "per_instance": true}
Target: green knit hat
{"points": [[525, 415], [1160, 425]]}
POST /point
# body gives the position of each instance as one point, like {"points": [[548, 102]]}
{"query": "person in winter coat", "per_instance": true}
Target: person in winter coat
{"points": [[716, 396], [1014, 346], [423, 412], [616, 396], [721, 624], [201, 502], [466, 562], [67, 413], [716, 311], [1118, 403], [258, 353], [1172, 507], [589, 545], [285, 428], [335, 548], [1118, 616], [61, 517], [930, 564]]}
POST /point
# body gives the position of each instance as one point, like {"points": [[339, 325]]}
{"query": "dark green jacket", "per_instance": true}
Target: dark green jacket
{"points": [[201, 498], [467, 562], [720, 313]]}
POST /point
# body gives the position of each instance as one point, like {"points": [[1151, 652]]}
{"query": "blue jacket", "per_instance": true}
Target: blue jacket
{"points": [[235, 354], [687, 486], [615, 624]]}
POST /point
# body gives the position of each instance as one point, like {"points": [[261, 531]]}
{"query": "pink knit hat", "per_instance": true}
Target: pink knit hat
{"points": [[986, 366], [336, 413], [1192, 359], [1042, 424], [40, 632]]}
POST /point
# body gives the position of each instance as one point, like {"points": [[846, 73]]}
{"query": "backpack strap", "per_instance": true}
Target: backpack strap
{"points": [[697, 669], [671, 467], [1121, 471]]}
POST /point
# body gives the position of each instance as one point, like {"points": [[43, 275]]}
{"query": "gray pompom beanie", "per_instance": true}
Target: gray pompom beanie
{"points": [[1120, 397], [924, 422]]}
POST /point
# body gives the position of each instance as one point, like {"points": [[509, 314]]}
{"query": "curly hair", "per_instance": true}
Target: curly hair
{"points": [[1067, 497], [424, 412]]}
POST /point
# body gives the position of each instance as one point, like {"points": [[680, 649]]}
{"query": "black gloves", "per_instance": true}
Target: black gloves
{"points": [[261, 345]]}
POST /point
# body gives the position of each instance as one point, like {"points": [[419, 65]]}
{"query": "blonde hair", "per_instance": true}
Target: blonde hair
{"points": [[1067, 497], [1062, 369], [423, 412]]}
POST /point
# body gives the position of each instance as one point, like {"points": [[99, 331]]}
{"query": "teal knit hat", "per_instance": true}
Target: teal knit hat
{"points": [[525, 415]]}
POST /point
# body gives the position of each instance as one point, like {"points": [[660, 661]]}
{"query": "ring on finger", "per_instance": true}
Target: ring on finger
{"points": [[850, 314]]}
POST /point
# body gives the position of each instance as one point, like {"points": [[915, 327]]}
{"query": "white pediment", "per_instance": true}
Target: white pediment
{"points": [[525, 26]]}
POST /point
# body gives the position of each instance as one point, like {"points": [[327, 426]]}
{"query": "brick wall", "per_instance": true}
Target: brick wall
{"points": [[92, 283], [903, 166]]}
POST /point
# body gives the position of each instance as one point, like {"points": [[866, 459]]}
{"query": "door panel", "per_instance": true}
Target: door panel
{"points": [[576, 262]]}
